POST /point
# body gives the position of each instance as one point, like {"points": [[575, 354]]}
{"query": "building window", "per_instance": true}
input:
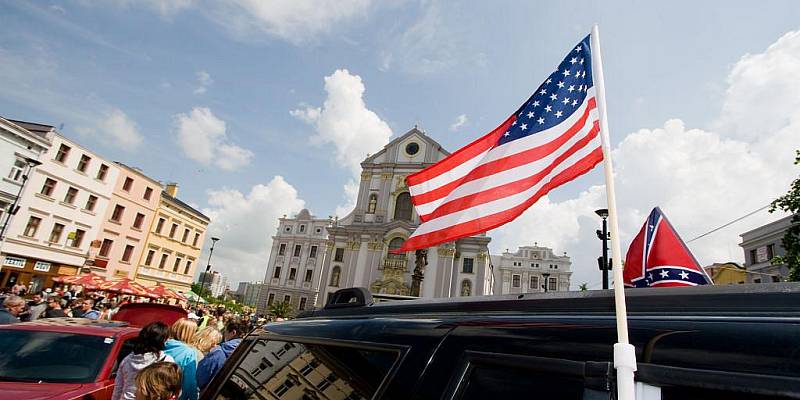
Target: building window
{"points": [[302, 228], [313, 252], [196, 239], [403, 207], [176, 264], [318, 230], [72, 193], [91, 202], [466, 288], [515, 280], [535, 283], [84, 163], [160, 225], [78, 238], [283, 388], [309, 273], [302, 305], [395, 244], [339, 256], [335, 274], [128, 184], [48, 187], [270, 299], [277, 273], [552, 284], [63, 152], [102, 172], [163, 262], [32, 227], [297, 249], [138, 221], [127, 253], [116, 216], [282, 249], [172, 230], [288, 228], [467, 265], [292, 274], [188, 267], [185, 235], [55, 234], [149, 259], [770, 252], [148, 192], [105, 248], [287, 299], [373, 203], [17, 170]]}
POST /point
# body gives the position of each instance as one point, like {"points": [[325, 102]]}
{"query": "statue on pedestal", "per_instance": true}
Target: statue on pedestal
{"points": [[419, 271]]}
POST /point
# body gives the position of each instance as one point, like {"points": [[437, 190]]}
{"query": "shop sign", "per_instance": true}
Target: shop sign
{"points": [[14, 262], [41, 266]]}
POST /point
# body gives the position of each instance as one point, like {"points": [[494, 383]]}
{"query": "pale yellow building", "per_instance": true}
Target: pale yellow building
{"points": [[173, 244]]}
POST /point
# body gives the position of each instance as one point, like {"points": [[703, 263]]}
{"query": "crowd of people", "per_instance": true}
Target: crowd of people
{"points": [[178, 361]]}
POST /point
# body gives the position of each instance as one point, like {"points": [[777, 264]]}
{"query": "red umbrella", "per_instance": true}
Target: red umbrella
{"points": [[126, 286], [165, 292], [89, 281]]}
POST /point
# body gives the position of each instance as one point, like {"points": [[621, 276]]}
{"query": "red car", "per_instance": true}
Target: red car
{"points": [[71, 358]]}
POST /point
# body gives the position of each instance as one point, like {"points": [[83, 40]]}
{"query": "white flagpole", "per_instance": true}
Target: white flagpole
{"points": [[624, 352]]}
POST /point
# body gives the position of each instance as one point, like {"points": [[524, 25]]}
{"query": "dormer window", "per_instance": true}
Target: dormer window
{"points": [[412, 148]]}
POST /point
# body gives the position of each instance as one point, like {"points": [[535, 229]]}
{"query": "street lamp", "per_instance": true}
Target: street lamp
{"points": [[208, 269], [603, 236], [545, 275], [13, 209]]}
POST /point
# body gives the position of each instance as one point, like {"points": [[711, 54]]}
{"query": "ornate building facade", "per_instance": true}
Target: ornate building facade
{"points": [[530, 268], [358, 250]]}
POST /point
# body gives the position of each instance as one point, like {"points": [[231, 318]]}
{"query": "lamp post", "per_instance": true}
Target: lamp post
{"points": [[603, 236], [208, 269], [13, 209], [545, 275]]}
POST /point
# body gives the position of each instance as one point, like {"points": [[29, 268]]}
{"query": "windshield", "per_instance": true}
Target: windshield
{"points": [[51, 357]]}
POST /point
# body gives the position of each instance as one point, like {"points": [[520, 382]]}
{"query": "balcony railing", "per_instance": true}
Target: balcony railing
{"points": [[395, 263]]}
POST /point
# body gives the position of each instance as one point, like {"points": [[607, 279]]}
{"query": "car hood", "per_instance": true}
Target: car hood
{"points": [[45, 391]]}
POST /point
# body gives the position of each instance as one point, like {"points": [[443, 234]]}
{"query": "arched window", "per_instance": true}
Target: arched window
{"points": [[395, 244], [402, 207], [466, 288], [373, 203], [335, 274]]}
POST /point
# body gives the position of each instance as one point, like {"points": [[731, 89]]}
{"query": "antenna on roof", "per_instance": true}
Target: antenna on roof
{"points": [[61, 126]]}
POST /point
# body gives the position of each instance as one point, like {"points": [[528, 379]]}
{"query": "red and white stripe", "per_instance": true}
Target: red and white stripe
{"points": [[484, 185]]}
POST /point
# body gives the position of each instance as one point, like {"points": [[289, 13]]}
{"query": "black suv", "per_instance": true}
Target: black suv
{"points": [[712, 342]]}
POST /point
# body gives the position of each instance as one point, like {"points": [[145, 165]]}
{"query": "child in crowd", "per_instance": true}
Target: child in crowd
{"points": [[148, 349], [159, 381], [186, 356]]}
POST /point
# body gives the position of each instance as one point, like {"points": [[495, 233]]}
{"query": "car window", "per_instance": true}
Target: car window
{"points": [[124, 350], [289, 370], [508, 382], [51, 357]]}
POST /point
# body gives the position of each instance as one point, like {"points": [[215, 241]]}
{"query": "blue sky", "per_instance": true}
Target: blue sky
{"points": [[221, 97]]}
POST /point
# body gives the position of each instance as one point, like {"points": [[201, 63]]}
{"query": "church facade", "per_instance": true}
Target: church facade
{"points": [[358, 249]]}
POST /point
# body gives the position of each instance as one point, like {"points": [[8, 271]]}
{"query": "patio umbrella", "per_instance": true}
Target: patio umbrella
{"points": [[127, 286], [192, 296], [165, 292], [89, 281]]}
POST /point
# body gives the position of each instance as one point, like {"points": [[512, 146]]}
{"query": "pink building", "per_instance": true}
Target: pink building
{"points": [[124, 228]]}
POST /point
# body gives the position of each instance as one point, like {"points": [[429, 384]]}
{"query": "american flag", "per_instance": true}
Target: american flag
{"points": [[550, 140], [658, 257]]}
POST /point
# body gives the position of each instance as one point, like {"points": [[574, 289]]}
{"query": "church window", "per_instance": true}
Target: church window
{"points": [[412, 148], [297, 249], [339, 256], [373, 203], [515, 281], [302, 228], [467, 265], [466, 288], [395, 244], [403, 207], [335, 274]]}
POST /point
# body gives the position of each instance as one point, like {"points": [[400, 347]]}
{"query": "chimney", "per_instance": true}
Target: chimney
{"points": [[172, 189]]}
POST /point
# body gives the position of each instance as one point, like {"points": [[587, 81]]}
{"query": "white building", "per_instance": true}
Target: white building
{"points": [[61, 209], [529, 269], [215, 282], [358, 251], [295, 262], [17, 145]]}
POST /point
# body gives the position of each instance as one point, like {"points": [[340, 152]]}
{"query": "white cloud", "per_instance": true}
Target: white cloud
{"points": [[165, 8], [245, 224], [701, 179], [459, 122], [345, 122], [114, 129], [204, 81], [203, 138]]}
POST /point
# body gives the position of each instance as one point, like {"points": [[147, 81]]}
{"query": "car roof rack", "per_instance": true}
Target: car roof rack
{"points": [[350, 297]]}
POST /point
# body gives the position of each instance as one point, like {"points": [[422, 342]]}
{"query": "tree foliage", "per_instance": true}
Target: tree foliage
{"points": [[281, 309], [584, 287], [206, 292], [790, 202]]}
